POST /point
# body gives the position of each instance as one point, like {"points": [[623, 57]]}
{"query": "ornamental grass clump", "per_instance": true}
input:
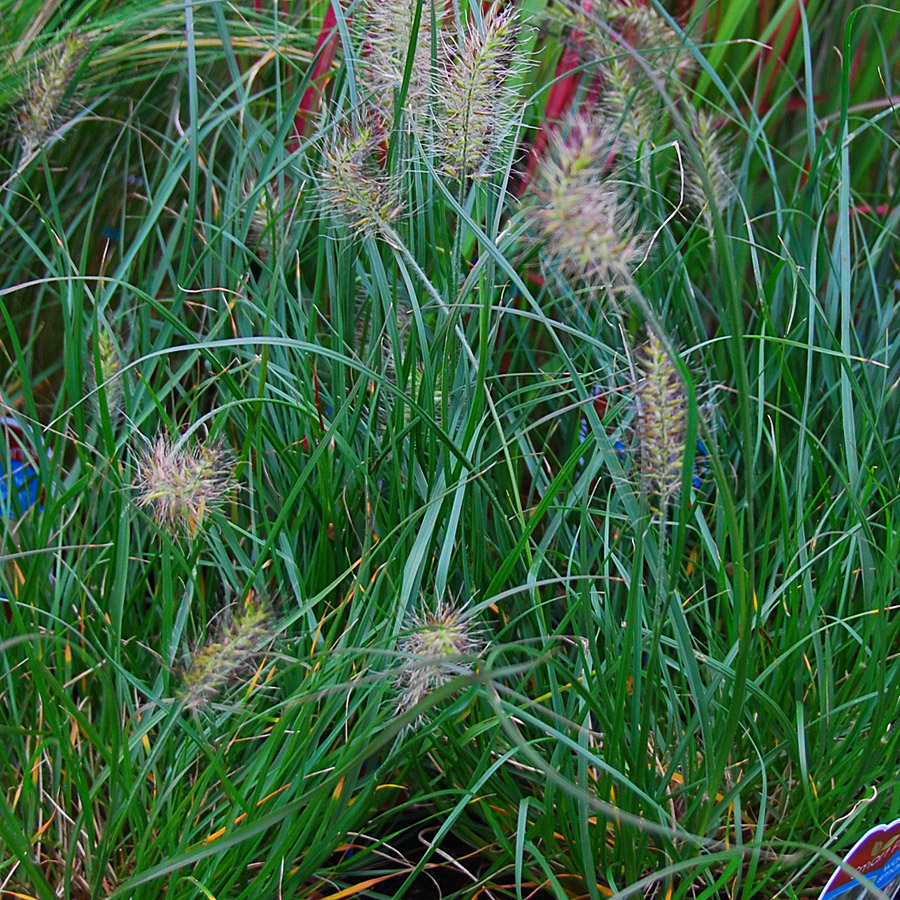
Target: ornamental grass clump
{"points": [[439, 646], [221, 661], [41, 113], [585, 224], [181, 485], [473, 103]]}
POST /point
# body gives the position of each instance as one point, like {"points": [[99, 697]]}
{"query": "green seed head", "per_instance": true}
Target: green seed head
{"points": [[41, 113], [438, 648], [662, 419], [220, 661]]}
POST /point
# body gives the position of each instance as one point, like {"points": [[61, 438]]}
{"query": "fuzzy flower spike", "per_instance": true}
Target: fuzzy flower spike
{"points": [[108, 375], [587, 227], [221, 661], [437, 647], [183, 485], [356, 191], [388, 35], [40, 115], [472, 101], [714, 157], [662, 419]]}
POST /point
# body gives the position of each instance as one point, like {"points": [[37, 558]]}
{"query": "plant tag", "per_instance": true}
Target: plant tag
{"points": [[877, 855]]}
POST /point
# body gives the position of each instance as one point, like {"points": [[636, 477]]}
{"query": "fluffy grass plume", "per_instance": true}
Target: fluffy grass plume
{"points": [[40, 115], [437, 647], [354, 186], [586, 226], [220, 662], [472, 105], [389, 30], [662, 419], [183, 485]]}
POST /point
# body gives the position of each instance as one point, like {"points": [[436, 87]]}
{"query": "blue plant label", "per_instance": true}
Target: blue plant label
{"points": [[877, 856]]}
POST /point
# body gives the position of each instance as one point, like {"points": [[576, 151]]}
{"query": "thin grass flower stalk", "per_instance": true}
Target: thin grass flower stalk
{"points": [[353, 184], [183, 486], [438, 648], [220, 662], [473, 104], [662, 420], [41, 113], [586, 226]]}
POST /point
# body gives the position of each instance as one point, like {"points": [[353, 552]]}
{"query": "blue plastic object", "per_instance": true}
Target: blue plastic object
{"points": [[22, 482], [19, 487]]}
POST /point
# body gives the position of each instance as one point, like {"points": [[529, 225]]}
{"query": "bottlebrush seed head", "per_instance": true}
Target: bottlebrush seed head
{"points": [[221, 661], [715, 159], [587, 227], [634, 23], [662, 419], [386, 43], [183, 485], [109, 375], [354, 186], [629, 103], [472, 105], [436, 649], [40, 115]]}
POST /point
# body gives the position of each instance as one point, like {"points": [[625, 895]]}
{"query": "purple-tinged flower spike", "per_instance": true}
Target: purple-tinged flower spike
{"points": [[40, 115], [183, 485], [587, 227], [472, 103], [438, 647], [221, 661]]}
